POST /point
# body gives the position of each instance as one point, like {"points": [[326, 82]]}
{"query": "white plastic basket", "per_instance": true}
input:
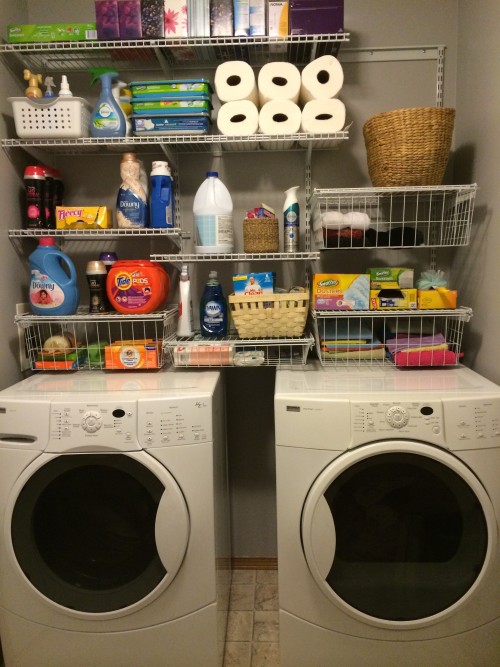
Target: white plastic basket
{"points": [[51, 117]]}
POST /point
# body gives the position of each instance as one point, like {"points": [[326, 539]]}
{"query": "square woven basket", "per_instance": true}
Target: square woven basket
{"points": [[269, 315], [260, 235]]}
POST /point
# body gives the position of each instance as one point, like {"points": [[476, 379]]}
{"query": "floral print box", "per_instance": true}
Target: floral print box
{"points": [[176, 23]]}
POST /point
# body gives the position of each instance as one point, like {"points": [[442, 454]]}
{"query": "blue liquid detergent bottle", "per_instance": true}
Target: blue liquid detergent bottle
{"points": [[162, 196], [53, 282], [213, 309]]}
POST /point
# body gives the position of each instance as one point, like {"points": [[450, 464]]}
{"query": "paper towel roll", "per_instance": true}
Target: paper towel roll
{"points": [[238, 118], [321, 79], [235, 80], [279, 117], [323, 116], [278, 81]]}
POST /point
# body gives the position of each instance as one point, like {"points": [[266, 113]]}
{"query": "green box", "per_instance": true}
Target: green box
{"points": [[51, 32], [390, 277]]}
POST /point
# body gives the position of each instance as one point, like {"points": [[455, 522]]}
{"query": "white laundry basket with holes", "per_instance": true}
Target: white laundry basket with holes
{"points": [[51, 117]]}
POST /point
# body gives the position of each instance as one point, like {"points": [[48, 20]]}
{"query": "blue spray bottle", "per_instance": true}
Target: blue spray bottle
{"points": [[107, 119]]}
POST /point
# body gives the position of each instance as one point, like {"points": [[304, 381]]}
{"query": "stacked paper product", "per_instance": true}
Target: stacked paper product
{"points": [[349, 339], [171, 107]]}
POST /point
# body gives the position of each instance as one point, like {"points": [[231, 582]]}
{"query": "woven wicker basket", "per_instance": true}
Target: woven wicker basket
{"points": [[269, 315], [260, 235], [409, 146]]}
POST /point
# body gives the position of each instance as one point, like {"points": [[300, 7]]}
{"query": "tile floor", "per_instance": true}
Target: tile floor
{"points": [[252, 630]]}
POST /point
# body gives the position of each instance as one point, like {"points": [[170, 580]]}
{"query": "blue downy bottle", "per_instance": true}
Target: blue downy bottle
{"points": [[53, 281], [107, 118], [213, 309]]}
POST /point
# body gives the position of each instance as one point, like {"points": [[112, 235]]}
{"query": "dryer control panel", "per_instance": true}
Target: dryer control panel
{"points": [[410, 420], [128, 425]]}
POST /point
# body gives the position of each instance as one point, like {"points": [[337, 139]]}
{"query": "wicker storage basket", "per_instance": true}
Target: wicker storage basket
{"points": [[269, 315], [409, 146], [260, 235]]}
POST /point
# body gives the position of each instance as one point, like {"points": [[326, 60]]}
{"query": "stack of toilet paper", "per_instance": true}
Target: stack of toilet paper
{"points": [[281, 100]]}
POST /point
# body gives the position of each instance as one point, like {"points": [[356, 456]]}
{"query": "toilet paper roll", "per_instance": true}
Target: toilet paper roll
{"points": [[322, 79], [235, 80], [279, 117], [323, 116], [278, 81], [238, 118]]}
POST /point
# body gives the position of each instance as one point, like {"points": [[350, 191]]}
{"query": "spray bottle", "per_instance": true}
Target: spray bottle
{"points": [[291, 218], [35, 80], [48, 82], [107, 118], [64, 90], [123, 96]]}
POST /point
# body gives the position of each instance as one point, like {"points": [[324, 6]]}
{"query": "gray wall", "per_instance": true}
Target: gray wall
{"points": [[467, 31]]}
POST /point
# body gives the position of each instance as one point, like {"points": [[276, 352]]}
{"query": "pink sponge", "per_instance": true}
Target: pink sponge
{"points": [[426, 358]]}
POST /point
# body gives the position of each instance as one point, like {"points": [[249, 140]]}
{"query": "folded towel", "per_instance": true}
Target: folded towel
{"points": [[403, 342], [357, 220], [336, 329], [333, 220], [426, 358], [378, 353], [338, 220], [343, 238]]}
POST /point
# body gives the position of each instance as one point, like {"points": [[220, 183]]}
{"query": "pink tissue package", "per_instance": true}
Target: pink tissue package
{"points": [[176, 23]]}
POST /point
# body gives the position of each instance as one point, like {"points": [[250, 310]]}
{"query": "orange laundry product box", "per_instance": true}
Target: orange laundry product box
{"points": [[341, 291], [83, 217], [440, 297], [126, 354]]}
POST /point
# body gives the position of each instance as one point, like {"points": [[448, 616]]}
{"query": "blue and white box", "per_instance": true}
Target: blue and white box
{"points": [[253, 284]]}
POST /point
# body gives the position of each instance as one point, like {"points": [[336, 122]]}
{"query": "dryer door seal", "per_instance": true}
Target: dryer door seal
{"points": [[409, 534]]}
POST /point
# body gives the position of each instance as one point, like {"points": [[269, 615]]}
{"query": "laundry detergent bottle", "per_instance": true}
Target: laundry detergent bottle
{"points": [[53, 281], [107, 118]]}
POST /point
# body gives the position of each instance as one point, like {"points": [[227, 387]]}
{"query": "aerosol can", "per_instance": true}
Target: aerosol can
{"points": [[291, 219]]}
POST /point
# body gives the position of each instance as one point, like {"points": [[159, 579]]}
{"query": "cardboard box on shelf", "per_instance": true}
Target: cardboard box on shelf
{"points": [[400, 299], [341, 291], [133, 354], [391, 277], [51, 32], [83, 217], [438, 298]]}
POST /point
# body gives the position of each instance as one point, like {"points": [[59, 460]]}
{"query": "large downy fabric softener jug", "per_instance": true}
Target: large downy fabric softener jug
{"points": [[213, 309], [53, 281], [213, 216]]}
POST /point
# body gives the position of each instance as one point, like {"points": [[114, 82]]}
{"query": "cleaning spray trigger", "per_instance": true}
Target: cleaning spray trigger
{"points": [[49, 84]]}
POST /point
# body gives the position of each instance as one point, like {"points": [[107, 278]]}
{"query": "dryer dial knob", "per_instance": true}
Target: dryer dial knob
{"points": [[91, 421], [397, 416]]}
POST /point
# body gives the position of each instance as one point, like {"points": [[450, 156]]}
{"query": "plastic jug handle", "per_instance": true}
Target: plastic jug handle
{"points": [[70, 267]]}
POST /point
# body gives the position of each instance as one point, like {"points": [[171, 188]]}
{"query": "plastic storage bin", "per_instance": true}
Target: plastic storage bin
{"points": [[51, 118]]}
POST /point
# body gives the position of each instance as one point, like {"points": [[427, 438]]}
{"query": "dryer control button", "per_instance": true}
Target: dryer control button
{"points": [[397, 416]]}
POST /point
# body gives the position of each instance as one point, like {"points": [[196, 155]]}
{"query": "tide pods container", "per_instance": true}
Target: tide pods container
{"points": [[137, 286]]}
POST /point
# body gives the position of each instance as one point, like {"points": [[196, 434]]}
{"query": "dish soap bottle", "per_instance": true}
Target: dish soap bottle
{"points": [[107, 118], [291, 219], [132, 209], [53, 281], [184, 323], [213, 309]]}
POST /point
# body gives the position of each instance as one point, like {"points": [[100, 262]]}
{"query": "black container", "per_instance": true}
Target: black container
{"points": [[34, 183], [50, 207], [96, 278]]}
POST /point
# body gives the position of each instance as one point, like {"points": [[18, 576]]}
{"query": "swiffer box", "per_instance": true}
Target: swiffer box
{"points": [[399, 299], [341, 291], [429, 299], [316, 17], [390, 278], [51, 32]]}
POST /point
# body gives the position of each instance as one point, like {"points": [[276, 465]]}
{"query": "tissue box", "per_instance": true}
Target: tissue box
{"points": [[341, 291], [429, 299], [390, 278], [277, 19], [106, 17], [253, 283], [400, 299], [132, 354], [176, 18], [221, 18], [316, 17], [51, 32], [257, 10], [152, 19], [129, 19], [83, 217]]}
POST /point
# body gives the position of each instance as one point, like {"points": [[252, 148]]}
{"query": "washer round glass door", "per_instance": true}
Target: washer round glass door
{"points": [[398, 532], [99, 533]]}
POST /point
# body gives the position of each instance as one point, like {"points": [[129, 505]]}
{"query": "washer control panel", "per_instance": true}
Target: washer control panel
{"points": [[381, 419], [127, 425]]}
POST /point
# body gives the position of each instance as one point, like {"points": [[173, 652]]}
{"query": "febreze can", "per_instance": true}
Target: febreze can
{"points": [[137, 286]]}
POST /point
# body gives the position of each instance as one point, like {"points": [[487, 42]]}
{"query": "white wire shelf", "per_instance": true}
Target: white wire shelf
{"points": [[416, 338], [237, 352], [109, 341], [236, 257], [174, 232], [183, 143], [410, 217], [164, 54]]}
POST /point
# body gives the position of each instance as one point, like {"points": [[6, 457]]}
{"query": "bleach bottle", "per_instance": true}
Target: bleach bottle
{"points": [[213, 309], [107, 118], [53, 282], [213, 216], [162, 196]]}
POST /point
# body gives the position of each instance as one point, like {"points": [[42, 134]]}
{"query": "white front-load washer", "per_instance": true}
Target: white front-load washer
{"points": [[388, 511], [114, 526]]}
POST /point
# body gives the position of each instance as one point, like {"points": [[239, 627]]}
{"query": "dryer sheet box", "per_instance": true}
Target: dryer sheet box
{"points": [[341, 291]]}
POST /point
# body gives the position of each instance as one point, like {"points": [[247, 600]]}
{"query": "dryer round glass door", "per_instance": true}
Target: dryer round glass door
{"points": [[98, 533], [398, 532]]}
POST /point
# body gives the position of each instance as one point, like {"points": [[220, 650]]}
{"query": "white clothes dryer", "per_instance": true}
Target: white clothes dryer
{"points": [[114, 520], [388, 516]]}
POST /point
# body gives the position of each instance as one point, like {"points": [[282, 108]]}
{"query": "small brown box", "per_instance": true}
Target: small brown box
{"points": [[260, 235]]}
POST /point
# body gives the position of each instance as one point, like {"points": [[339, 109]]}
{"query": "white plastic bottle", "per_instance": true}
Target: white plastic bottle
{"points": [[291, 220], [213, 216], [185, 321]]}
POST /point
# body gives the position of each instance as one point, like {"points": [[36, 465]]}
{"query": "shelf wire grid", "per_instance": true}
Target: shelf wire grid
{"points": [[356, 338], [427, 216]]}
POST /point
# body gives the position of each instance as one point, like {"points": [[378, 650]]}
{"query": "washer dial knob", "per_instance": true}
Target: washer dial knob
{"points": [[91, 421], [397, 416]]}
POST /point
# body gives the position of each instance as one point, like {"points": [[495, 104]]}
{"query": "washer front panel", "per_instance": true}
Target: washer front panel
{"points": [[409, 534]]}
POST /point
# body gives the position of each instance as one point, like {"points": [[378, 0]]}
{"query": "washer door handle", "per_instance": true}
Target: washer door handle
{"points": [[172, 529], [323, 539]]}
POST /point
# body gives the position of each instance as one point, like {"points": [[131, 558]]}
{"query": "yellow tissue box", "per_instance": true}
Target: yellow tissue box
{"points": [[441, 297], [83, 217]]}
